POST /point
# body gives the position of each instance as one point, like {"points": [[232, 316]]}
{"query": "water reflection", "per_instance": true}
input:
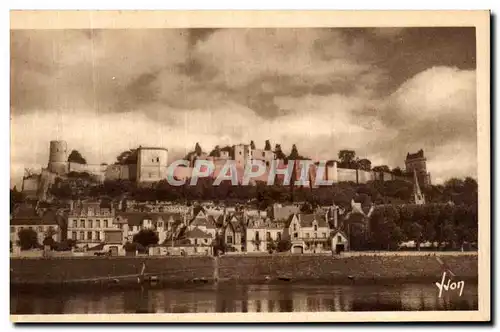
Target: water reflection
{"points": [[248, 298]]}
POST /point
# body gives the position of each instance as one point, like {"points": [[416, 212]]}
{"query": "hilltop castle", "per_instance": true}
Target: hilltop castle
{"points": [[151, 166]]}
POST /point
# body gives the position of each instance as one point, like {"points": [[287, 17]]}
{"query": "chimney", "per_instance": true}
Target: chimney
{"points": [[335, 216]]}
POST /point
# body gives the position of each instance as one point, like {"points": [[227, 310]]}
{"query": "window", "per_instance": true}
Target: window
{"points": [[31, 228], [160, 224], [82, 223], [339, 238], [267, 163], [106, 223], [256, 235], [294, 227], [263, 154], [315, 228], [73, 235], [158, 159], [39, 229], [315, 235], [295, 235], [89, 223], [98, 223], [229, 239], [268, 235], [307, 235], [195, 241], [12, 229], [206, 240], [75, 223], [279, 236], [324, 234], [82, 235], [240, 152], [89, 235], [98, 236]]}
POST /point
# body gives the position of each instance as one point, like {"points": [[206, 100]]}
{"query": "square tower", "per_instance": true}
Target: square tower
{"points": [[242, 153], [151, 164], [416, 162]]}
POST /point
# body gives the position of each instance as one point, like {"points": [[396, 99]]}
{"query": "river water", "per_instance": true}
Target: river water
{"points": [[286, 297]]}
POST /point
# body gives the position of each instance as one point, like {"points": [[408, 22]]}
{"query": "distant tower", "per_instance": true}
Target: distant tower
{"points": [[419, 197], [418, 163], [242, 153], [151, 164], [58, 157]]}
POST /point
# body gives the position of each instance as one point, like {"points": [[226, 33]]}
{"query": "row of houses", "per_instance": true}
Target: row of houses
{"points": [[197, 230]]}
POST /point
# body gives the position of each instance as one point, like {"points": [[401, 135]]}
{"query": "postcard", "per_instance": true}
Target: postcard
{"points": [[250, 166]]}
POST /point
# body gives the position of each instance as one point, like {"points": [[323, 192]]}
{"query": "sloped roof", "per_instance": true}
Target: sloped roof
{"points": [[338, 231], [24, 211], [197, 233], [284, 212], [306, 220], [49, 218], [201, 221], [136, 218]]}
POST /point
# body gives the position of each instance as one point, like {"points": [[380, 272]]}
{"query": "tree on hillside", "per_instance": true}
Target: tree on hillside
{"points": [[16, 197], [347, 158], [364, 164], [215, 152], [28, 239], [197, 149], [294, 154], [382, 168], [397, 171], [127, 157], [76, 157], [268, 145], [146, 237], [279, 153]]}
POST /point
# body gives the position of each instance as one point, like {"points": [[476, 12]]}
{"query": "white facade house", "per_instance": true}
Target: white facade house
{"points": [[340, 241], [308, 233], [43, 224], [261, 232], [88, 222]]}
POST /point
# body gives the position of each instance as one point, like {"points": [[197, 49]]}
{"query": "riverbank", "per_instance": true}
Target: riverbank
{"points": [[112, 271]]}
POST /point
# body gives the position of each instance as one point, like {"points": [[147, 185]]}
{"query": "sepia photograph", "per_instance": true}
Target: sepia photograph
{"points": [[244, 166]]}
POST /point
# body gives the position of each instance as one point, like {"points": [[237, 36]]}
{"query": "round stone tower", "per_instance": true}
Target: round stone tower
{"points": [[58, 157]]}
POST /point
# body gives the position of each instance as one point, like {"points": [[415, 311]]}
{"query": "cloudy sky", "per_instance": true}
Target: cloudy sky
{"points": [[381, 92]]}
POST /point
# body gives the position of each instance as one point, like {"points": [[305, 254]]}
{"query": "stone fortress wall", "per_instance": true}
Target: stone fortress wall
{"points": [[153, 162]]}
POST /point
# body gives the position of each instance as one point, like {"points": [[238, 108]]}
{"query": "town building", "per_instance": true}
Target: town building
{"points": [[89, 224], [43, 223], [263, 234], [308, 233], [234, 233], [204, 222], [340, 241]]}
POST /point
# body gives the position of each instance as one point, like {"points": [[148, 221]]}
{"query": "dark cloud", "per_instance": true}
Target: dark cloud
{"points": [[381, 91]]}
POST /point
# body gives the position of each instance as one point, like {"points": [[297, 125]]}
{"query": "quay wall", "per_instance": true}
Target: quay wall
{"points": [[250, 268]]}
